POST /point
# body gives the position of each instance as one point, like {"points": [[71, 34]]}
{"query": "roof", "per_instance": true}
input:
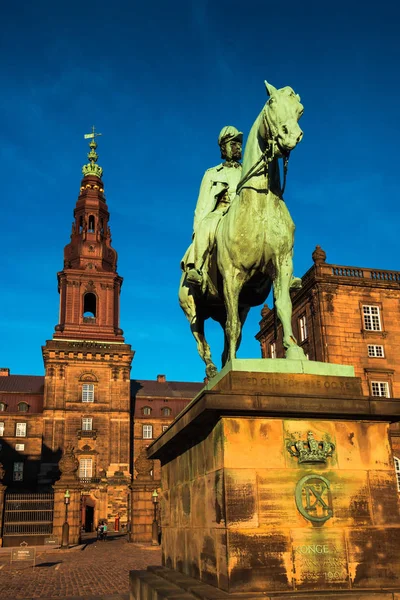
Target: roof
{"points": [[27, 384], [147, 388], [30, 385]]}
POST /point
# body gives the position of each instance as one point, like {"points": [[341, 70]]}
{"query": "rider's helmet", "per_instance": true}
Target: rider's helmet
{"points": [[229, 133]]}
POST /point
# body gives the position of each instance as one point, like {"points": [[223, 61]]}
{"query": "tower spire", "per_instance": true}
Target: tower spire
{"points": [[92, 168], [89, 284]]}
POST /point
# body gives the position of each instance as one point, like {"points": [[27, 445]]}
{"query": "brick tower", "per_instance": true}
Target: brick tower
{"points": [[87, 363]]}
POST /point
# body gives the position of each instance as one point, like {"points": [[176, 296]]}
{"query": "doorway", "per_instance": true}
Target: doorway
{"points": [[89, 518]]}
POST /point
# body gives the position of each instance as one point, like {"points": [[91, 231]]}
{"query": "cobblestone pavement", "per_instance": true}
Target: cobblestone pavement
{"points": [[93, 571]]}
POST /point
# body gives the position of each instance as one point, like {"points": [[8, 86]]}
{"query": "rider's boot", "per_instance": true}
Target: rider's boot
{"points": [[194, 276]]}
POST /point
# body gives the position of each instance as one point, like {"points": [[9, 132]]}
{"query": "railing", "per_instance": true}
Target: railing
{"points": [[347, 272], [358, 273], [28, 514], [90, 479], [385, 275], [86, 433]]}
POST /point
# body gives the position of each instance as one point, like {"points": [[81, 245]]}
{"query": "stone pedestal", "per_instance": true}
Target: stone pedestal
{"points": [[279, 484]]}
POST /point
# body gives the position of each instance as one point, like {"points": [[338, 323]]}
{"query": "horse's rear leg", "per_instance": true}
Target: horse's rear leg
{"points": [[197, 328], [283, 303]]}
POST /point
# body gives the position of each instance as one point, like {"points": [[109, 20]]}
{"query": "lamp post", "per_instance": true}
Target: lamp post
{"points": [[154, 530], [65, 527]]}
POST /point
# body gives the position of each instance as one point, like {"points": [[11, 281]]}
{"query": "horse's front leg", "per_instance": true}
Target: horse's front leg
{"points": [[233, 283], [283, 304]]}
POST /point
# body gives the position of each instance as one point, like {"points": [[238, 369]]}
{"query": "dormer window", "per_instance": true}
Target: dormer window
{"points": [[89, 307], [91, 224], [23, 407]]}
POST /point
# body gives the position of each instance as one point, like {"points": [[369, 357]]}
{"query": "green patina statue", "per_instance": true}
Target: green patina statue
{"points": [[238, 253], [217, 190]]}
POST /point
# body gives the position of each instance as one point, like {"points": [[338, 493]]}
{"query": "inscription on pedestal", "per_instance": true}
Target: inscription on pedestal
{"points": [[291, 383], [320, 560]]}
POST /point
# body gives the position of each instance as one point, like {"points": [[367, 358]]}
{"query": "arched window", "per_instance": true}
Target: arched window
{"points": [[80, 224], [89, 307], [146, 410], [165, 411], [397, 469], [91, 224], [23, 407], [3, 406]]}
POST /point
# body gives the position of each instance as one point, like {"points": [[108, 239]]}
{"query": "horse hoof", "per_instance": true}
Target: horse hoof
{"points": [[211, 371], [295, 353]]}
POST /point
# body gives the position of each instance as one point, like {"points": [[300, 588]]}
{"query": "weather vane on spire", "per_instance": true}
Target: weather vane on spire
{"points": [[92, 168]]}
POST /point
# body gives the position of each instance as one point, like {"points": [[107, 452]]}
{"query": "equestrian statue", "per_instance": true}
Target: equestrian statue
{"points": [[243, 233]]}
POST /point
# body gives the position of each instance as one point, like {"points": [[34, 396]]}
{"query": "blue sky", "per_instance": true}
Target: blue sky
{"points": [[159, 80]]}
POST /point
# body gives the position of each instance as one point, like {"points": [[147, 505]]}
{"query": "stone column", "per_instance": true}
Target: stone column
{"points": [[142, 510], [68, 466]]}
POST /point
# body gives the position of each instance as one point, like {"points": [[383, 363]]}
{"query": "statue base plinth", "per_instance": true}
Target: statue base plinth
{"points": [[278, 484]]}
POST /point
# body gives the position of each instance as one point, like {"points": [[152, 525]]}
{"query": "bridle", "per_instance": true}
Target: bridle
{"points": [[267, 156]]}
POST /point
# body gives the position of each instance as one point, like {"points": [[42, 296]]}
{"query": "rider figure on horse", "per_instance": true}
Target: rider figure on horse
{"points": [[217, 190]]}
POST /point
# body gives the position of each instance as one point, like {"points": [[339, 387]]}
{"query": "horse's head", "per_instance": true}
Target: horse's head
{"points": [[281, 114]]}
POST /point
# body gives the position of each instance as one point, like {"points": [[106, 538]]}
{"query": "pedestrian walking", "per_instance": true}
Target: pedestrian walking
{"points": [[99, 531], [105, 529]]}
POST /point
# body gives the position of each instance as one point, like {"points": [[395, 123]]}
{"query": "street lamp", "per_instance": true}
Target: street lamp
{"points": [[65, 527], [154, 530]]}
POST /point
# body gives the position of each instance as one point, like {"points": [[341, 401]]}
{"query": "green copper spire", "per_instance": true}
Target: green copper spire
{"points": [[92, 168]]}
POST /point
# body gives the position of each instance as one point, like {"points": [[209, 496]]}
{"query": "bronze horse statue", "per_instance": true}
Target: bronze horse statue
{"points": [[254, 240]]}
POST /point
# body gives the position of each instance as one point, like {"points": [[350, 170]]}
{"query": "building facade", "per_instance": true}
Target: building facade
{"points": [[346, 315], [86, 399]]}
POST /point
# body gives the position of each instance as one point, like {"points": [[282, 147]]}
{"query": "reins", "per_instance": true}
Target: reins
{"points": [[264, 158]]}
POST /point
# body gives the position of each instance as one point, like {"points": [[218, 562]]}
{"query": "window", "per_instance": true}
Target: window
{"points": [[380, 388], [88, 392], [20, 447], [20, 430], [2, 406], [303, 328], [375, 351], [2, 428], [272, 350], [91, 224], [147, 432], [23, 407], [87, 424], [18, 471], [164, 427], [397, 469], [372, 318], [89, 307], [146, 410], [85, 468], [166, 411]]}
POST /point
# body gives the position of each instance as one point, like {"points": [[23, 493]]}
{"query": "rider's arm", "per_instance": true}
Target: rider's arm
{"points": [[205, 199]]}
